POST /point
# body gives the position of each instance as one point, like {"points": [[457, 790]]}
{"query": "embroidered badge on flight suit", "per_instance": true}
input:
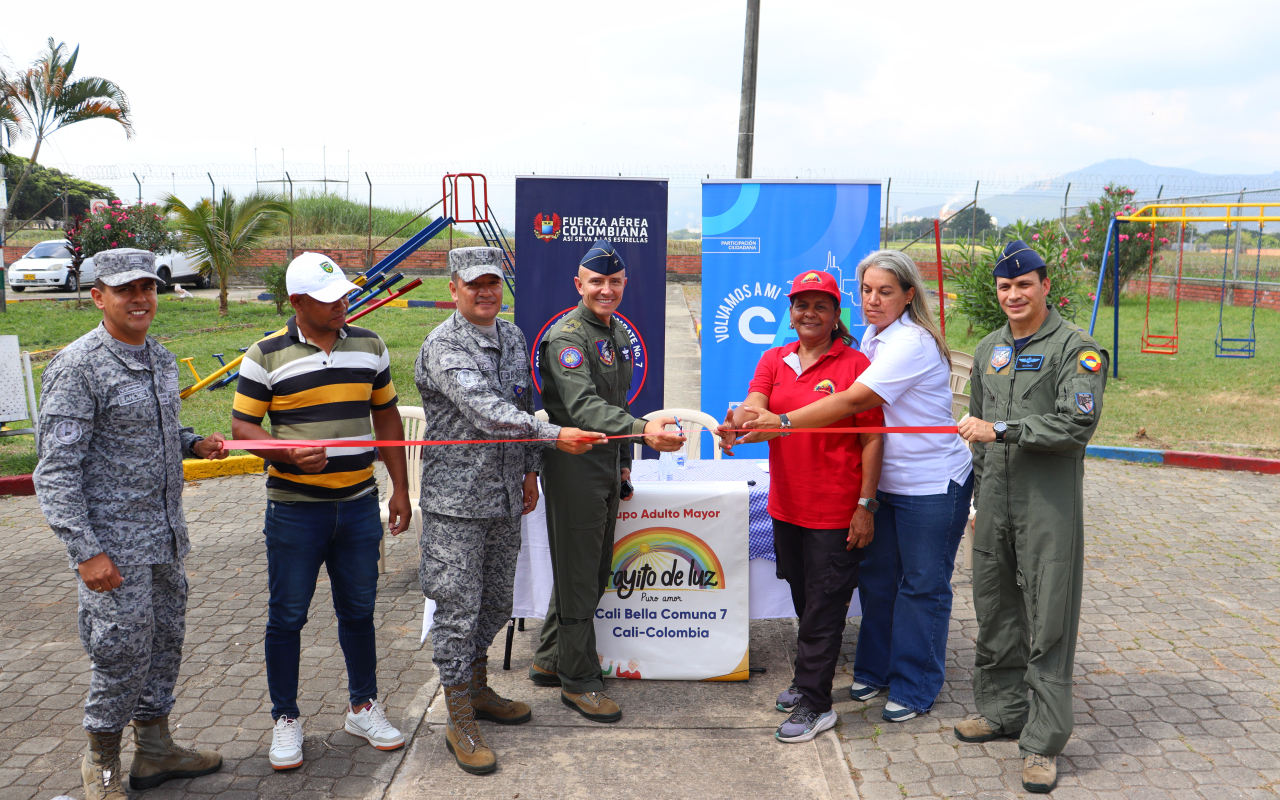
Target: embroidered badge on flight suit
{"points": [[1084, 402], [605, 348], [1090, 361], [1000, 357], [571, 357], [1030, 362]]}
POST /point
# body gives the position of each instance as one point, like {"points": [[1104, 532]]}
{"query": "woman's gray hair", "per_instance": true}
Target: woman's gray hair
{"points": [[903, 268]]}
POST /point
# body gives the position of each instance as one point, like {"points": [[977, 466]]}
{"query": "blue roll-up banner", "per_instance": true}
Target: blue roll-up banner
{"points": [[557, 221], [756, 237]]}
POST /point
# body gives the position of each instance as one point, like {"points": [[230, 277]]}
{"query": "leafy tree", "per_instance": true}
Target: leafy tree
{"points": [[969, 269], [960, 222], [220, 236], [46, 184], [47, 98]]}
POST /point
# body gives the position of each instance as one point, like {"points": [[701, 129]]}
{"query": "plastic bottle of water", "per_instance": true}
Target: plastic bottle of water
{"points": [[680, 456], [665, 466]]}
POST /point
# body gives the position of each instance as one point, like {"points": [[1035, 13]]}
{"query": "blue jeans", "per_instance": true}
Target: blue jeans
{"points": [[301, 536], [905, 588]]}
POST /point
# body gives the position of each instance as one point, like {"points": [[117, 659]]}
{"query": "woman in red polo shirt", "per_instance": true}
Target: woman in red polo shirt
{"points": [[819, 486]]}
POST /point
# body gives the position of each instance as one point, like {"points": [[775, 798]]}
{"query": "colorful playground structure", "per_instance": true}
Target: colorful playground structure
{"points": [[377, 279], [1241, 346]]}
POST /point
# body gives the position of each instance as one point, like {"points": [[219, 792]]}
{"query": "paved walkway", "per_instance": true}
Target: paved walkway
{"points": [[1177, 680]]}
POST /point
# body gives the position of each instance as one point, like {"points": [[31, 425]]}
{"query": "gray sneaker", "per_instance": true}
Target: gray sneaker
{"points": [[789, 699], [803, 725]]}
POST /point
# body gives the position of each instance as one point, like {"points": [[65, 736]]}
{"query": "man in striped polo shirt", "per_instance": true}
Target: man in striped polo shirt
{"points": [[323, 379]]}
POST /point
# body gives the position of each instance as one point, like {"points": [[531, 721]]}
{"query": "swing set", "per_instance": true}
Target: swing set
{"points": [[1181, 214]]}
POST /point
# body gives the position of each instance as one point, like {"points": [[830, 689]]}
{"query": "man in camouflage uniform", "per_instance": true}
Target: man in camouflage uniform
{"points": [[585, 363], [474, 377], [110, 485], [1036, 398]]}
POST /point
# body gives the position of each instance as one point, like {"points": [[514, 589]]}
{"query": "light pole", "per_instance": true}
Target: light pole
{"points": [[747, 113]]}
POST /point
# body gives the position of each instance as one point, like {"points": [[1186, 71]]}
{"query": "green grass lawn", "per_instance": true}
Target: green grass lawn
{"points": [[194, 328], [1189, 401]]}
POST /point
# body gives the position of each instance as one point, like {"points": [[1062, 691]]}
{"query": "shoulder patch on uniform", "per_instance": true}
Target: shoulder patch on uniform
{"points": [[570, 325], [605, 348], [468, 378], [1000, 357], [67, 431], [571, 357], [1084, 402], [1090, 360]]}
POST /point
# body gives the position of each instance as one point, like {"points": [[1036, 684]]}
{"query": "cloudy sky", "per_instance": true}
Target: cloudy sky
{"points": [[850, 89]]}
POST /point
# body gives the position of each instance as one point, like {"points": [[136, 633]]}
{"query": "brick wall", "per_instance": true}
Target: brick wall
{"points": [[1205, 291]]}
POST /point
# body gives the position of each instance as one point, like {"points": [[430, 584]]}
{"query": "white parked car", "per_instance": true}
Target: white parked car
{"points": [[47, 265]]}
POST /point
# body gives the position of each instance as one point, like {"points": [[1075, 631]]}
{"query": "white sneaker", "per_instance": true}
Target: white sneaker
{"points": [[371, 724], [286, 744], [893, 712]]}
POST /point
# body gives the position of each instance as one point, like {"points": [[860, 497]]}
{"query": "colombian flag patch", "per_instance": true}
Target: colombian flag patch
{"points": [[1091, 361]]}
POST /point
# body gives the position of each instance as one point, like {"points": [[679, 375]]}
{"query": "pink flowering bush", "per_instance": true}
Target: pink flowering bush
{"points": [[1136, 238], [969, 272], [140, 226]]}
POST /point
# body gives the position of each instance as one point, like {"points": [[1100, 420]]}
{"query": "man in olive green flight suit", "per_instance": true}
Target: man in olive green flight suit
{"points": [[1035, 400], [585, 364]]}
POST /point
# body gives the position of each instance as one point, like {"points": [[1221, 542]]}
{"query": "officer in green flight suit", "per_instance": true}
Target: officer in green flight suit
{"points": [[585, 365], [1035, 401]]}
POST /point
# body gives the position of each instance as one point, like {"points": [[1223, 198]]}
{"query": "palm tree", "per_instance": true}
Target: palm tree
{"points": [[220, 236], [49, 99]]}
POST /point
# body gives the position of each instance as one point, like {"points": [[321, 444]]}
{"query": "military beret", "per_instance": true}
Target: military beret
{"points": [[602, 258], [120, 266], [472, 262], [1017, 259]]}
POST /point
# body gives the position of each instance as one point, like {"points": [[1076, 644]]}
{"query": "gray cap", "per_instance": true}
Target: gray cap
{"points": [[472, 262], [117, 267]]}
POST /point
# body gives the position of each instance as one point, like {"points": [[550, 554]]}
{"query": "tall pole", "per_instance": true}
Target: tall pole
{"points": [[747, 114]]}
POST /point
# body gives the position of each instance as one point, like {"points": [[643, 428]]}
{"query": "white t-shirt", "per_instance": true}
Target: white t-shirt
{"points": [[910, 374]]}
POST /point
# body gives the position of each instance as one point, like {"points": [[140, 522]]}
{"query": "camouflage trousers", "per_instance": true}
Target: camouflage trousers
{"points": [[468, 567], [133, 634]]}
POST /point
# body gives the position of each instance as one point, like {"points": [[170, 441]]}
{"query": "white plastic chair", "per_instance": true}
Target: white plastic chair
{"points": [[415, 427], [961, 369], [959, 404], [691, 423]]}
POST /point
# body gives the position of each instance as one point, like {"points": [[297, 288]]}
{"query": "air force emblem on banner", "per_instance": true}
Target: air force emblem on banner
{"points": [[1084, 402], [605, 348], [1000, 357], [571, 358]]}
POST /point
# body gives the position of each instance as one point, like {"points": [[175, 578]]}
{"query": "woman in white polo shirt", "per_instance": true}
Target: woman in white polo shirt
{"points": [[926, 483]]}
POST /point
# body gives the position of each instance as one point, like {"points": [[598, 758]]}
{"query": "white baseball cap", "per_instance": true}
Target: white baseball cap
{"points": [[316, 275]]}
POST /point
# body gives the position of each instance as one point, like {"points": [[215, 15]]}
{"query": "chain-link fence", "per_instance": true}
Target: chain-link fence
{"points": [[337, 201]]}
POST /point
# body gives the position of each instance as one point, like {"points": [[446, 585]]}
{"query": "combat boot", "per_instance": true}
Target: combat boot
{"points": [[158, 758], [462, 734], [488, 704], [100, 769], [1039, 773]]}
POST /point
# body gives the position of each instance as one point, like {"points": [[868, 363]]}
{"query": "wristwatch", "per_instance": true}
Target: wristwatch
{"points": [[1000, 428], [785, 422], [870, 503]]}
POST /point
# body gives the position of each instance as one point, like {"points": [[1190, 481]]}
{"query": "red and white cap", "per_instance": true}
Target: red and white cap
{"points": [[815, 281], [316, 275]]}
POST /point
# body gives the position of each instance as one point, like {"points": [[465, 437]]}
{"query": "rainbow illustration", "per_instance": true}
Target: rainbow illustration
{"points": [[656, 546]]}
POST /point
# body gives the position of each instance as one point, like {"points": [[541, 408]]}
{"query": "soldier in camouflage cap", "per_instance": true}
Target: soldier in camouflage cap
{"points": [[117, 267], [474, 377], [110, 483]]}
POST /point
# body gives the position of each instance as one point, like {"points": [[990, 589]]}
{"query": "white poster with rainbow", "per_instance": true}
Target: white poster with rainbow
{"points": [[677, 601]]}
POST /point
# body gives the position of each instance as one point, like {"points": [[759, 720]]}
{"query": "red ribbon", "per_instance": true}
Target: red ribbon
{"points": [[288, 444]]}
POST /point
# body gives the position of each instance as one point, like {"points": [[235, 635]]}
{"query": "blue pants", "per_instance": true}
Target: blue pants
{"points": [[301, 536], [905, 587]]}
